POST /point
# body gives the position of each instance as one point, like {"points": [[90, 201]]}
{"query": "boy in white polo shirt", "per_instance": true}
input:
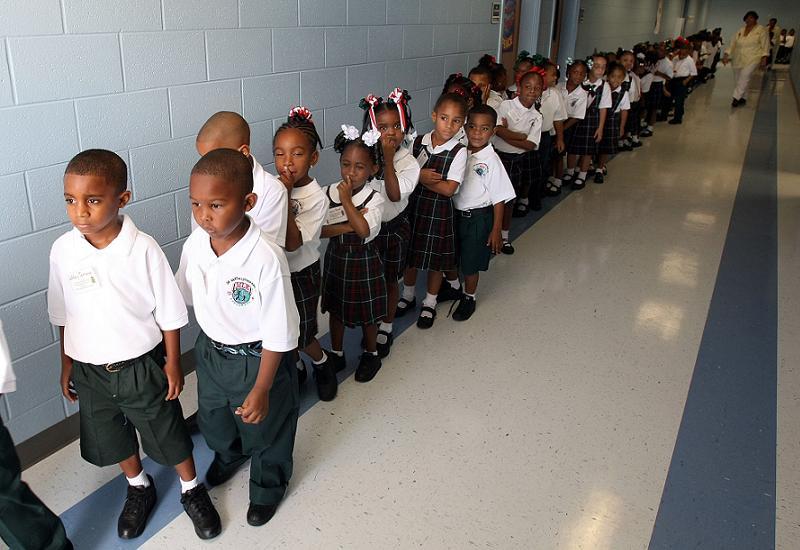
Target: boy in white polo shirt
{"points": [[228, 130], [684, 71], [480, 204], [119, 311], [25, 521], [238, 282]]}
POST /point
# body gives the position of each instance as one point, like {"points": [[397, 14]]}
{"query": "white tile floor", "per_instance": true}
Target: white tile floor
{"points": [[548, 420]]}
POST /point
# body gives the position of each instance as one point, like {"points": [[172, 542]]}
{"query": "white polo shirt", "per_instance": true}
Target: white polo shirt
{"points": [[309, 205], [407, 169], [647, 80], [685, 67], [575, 101], [112, 302], [635, 90], [374, 207], [553, 109], [243, 296], [663, 66], [459, 163], [8, 381], [624, 104], [520, 119], [486, 182], [494, 100]]}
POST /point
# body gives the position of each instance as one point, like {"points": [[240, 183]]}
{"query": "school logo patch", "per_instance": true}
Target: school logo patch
{"points": [[241, 290], [481, 168], [296, 206]]}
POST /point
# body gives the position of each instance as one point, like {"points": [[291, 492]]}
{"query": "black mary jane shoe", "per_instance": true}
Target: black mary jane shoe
{"points": [[404, 306], [259, 514], [386, 348], [339, 362], [520, 210], [368, 367], [205, 518], [138, 505], [507, 248], [578, 184], [426, 322]]}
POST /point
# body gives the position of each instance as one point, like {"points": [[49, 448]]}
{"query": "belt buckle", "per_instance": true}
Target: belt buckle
{"points": [[114, 367], [466, 213]]}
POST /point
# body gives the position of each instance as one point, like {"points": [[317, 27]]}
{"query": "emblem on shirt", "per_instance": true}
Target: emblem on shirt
{"points": [[296, 206], [241, 290], [481, 168]]}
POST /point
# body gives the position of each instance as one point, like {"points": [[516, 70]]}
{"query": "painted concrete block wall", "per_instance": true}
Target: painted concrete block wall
{"points": [[140, 77]]}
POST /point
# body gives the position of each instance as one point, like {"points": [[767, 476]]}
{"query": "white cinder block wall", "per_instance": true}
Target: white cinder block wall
{"points": [[140, 77]]}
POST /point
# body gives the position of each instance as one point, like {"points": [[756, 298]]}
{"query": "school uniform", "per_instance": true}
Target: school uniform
{"points": [[114, 304], [25, 521], [511, 91], [395, 234], [683, 68], [633, 85], [522, 166], [576, 102], [582, 141], [433, 242], [309, 206], [553, 109], [494, 100], [486, 183], [244, 304], [353, 284], [656, 90], [611, 130]]}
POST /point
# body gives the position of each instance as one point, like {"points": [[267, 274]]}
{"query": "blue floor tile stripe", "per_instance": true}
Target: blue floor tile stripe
{"points": [[720, 489], [91, 523]]}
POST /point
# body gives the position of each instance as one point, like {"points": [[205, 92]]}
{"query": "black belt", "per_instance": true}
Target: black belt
{"points": [[253, 348], [119, 365], [482, 211]]}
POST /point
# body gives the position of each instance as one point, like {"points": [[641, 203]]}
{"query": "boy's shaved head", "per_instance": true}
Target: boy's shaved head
{"points": [[229, 166], [225, 129], [99, 162]]}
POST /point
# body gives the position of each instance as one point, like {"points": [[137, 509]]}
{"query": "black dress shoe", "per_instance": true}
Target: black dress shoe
{"points": [[578, 184], [218, 473], [599, 177], [325, 378], [426, 321], [259, 514], [339, 361], [520, 210], [384, 349], [447, 293], [138, 505], [675, 121], [368, 367], [404, 306], [201, 511], [465, 309]]}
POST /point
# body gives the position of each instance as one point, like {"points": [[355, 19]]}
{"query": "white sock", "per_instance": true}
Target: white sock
{"points": [[524, 201], [140, 480], [470, 295], [635, 139], [324, 358], [430, 300], [504, 234], [455, 283], [551, 179], [649, 127], [569, 171], [339, 353], [188, 485], [386, 327], [300, 365], [408, 292], [557, 182], [582, 175]]}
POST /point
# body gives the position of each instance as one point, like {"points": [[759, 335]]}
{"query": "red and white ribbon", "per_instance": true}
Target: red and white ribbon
{"points": [[399, 99], [372, 101], [301, 112]]}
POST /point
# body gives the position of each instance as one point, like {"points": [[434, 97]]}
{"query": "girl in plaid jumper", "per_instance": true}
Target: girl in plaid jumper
{"points": [[353, 285]]}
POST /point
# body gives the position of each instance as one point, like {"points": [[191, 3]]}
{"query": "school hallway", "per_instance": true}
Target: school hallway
{"points": [[630, 379]]}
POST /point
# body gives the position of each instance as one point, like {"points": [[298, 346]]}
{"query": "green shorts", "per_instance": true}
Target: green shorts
{"points": [[115, 405], [473, 233]]}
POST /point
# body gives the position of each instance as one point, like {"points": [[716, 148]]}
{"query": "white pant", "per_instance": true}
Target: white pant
{"points": [[742, 77]]}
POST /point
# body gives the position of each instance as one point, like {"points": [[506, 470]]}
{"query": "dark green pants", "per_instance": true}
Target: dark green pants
{"points": [[223, 382], [25, 522]]}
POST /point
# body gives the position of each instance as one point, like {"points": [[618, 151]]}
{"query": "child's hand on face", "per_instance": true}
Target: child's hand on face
{"points": [[287, 178], [389, 147], [345, 189]]}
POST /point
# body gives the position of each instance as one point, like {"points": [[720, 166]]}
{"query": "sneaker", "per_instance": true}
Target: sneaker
{"points": [[325, 379], [198, 506], [339, 362], [426, 321], [302, 375], [368, 367], [520, 210], [508, 248], [138, 505], [578, 184], [384, 349], [465, 309], [598, 177], [404, 306], [447, 293]]}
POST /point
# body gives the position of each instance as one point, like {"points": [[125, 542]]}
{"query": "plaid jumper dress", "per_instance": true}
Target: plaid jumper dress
{"points": [[306, 285], [433, 238], [582, 140], [611, 137], [353, 286]]}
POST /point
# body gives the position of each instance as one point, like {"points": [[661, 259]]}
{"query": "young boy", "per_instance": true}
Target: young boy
{"points": [[480, 205], [684, 71], [228, 130], [25, 521], [114, 298], [433, 243], [238, 282]]}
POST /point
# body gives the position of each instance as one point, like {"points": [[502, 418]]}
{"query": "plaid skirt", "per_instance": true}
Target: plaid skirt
{"points": [[653, 97], [392, 244], [582, 140], [305, 284], [353, 287], [522, 169], [433, 236], [610, 143]]}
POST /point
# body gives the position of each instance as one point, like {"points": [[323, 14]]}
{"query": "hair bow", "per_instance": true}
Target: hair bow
{"points": [[370, 137], [300, 112], [351, 133], [400, 98], [369, 103]]}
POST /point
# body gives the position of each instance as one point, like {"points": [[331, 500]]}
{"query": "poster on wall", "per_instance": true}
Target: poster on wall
{"points": [[509, 25], [659, 13]]}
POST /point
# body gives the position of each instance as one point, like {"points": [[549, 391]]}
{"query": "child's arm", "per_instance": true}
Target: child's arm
{"points": [[66, 371], [391, 183], [495, 242], [509, 135], [172, 368], [355, 218], [623, 119], [598, 135], [256, 405], [294, 238], [329, 231], [559, 126], [443, 187], [570, 122]]}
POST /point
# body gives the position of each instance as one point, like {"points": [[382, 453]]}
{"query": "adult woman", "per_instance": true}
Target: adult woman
{"points": [[748, 49]]}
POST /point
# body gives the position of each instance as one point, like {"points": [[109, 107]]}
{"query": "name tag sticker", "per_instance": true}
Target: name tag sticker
{"points": [[422, 159], [83, 280], [335, 215]]}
